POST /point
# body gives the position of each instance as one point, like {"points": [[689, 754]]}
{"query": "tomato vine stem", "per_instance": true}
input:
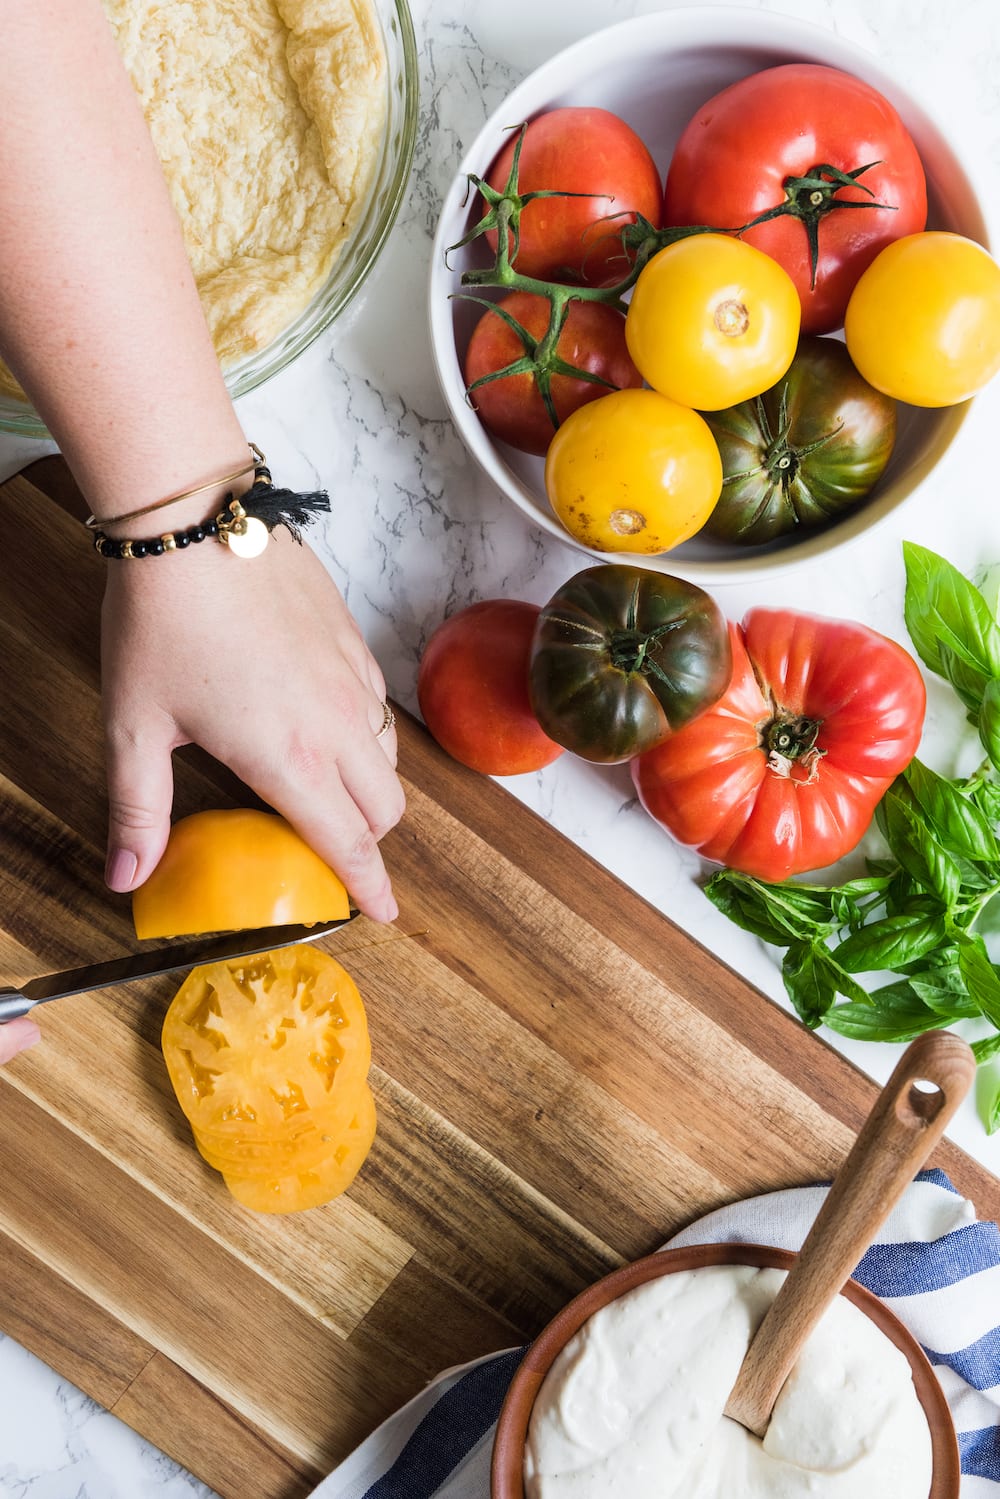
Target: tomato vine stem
{"points": [[640, 240]]}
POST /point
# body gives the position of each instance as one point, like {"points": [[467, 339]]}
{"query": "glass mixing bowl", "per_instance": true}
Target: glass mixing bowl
{"points": [[359, 253]]}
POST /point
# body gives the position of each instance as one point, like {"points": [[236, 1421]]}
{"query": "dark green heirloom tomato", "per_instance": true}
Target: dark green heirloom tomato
{"points": [[805, 452], [622, 656]]}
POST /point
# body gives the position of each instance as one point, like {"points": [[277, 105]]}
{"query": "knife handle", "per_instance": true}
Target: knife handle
{"points": [[14, 1004]]}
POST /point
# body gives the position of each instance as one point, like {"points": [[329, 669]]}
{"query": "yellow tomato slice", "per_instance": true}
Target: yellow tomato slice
{"points": [[317, 1184], [310, 1142], [227, 870], [275, 1156], [262, 1050]]}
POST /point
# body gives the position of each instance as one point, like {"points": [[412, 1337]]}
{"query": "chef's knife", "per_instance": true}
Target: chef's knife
{"points": [[143, 965]]}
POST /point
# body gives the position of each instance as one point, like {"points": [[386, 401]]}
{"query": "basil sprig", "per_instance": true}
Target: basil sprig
{"points": [[915, 914]]}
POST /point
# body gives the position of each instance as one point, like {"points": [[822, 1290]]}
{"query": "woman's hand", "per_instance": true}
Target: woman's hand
{"points": [[259, 662], [17, 1035]]}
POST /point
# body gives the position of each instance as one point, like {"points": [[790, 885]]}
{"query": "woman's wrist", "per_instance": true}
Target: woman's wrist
{"points": [[192, 511], [242, 518], [180, 508]]}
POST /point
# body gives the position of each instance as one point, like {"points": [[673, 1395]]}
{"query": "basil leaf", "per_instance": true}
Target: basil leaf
{"points": [[778, 914], [943, 990], [981, 978], [846, 911], [901, 894], [893, 1013], [988, 1086], [986, 795], [968, 682], [891, 942], [987, 1048], [810, 984], [954, 819], [944, 612], [989, 721], [916, 848], [807, 903], [989, 1107]]}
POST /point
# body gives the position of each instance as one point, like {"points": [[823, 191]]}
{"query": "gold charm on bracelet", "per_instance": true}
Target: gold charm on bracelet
{"points": [[243, 534]]}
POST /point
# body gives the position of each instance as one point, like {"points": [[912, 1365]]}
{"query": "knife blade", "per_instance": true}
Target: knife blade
{"points": [[143, 965]]}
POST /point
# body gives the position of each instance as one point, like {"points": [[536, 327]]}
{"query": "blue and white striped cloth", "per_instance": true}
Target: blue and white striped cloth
{"points": [[933, 1263]]}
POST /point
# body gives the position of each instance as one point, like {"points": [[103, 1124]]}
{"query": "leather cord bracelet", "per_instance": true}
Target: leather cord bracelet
{"points": [[244, 525]]}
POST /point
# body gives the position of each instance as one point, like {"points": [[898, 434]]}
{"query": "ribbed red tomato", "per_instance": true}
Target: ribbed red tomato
{"points": [[593, 153], [777, 140], [783, 773]]}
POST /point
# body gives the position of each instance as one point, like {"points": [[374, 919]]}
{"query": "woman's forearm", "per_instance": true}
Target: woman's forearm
{"points": [[257, 661], [99, 316]]}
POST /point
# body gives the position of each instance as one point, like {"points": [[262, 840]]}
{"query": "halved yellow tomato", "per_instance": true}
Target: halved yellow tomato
{"points": [[225, 870], [712, 321]]}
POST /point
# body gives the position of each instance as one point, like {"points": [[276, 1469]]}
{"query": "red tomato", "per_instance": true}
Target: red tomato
{"points": [[472, 687], [592, 339], [577, 150], [735, 157], [783, 774]]}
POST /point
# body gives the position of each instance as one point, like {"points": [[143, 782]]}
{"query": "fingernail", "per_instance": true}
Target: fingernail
{"points": [[388, 910], [120, 871], [34, 1035]]}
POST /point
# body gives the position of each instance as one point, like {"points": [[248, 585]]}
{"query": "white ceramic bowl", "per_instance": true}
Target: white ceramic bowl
{"points": [[655, 71]]}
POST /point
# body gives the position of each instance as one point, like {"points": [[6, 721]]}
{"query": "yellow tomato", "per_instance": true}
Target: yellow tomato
{"points": [[923, 322], [712, 321], [260, 1048], [225, 870], [633, 472], [310, 1186], [269, 1058]]}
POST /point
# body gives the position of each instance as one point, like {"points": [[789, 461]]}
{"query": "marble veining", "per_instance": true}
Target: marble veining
{"points": [[417, 532]]}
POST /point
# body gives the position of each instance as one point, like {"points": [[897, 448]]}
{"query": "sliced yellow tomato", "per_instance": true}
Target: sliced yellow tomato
{"points": [[712, 321], [923, 322], [269, 1058], [633, 472], [226, 870], [317, 1184], [259, 1046]]}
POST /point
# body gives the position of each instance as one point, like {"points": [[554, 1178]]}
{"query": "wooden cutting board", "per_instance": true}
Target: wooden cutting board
{"points": [[563, 1078]]}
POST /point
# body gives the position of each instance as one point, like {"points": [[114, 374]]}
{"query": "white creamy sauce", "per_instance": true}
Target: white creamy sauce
{"points": [[633, 1406]]}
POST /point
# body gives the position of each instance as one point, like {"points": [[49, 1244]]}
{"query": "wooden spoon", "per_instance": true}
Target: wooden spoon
{"points": [[909, 1117]]}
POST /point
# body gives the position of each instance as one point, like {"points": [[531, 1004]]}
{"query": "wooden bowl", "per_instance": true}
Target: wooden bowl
{"points": [[507, 1473]]}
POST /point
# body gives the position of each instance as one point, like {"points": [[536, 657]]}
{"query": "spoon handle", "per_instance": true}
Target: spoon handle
{"points": [[908, 1118]]}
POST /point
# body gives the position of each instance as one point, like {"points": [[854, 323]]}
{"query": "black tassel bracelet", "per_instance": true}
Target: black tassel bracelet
{"points": [[244, 525]]}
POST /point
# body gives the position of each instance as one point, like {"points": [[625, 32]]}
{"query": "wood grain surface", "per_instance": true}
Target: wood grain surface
{"points": [[563, 1079]]}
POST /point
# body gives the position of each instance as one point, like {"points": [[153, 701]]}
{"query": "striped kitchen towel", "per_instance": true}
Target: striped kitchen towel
{"points": [[933, 1263]]}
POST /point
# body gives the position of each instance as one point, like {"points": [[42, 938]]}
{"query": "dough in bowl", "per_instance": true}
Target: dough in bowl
{"points": [[268, 117]]}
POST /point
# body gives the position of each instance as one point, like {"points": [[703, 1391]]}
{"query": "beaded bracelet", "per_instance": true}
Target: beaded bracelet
{"points": [[245, 525]]}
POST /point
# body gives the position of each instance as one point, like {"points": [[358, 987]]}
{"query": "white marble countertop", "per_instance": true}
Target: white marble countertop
{"points": [[417, 532]]}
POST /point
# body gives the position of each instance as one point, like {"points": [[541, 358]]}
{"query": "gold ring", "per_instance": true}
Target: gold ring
{"points": [[388, 719]]}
